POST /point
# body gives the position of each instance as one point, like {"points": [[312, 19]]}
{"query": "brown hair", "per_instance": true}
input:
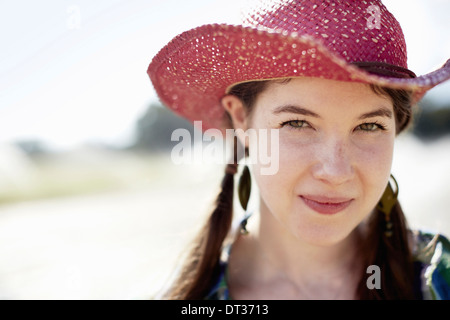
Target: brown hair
{"points": [[201, 267], [391, 254]]}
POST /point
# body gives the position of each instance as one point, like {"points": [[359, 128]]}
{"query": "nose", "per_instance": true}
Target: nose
{"points": [[333, 163]]}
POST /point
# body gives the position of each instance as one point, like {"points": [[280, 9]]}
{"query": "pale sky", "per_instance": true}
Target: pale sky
{"points": [[75, 71]]}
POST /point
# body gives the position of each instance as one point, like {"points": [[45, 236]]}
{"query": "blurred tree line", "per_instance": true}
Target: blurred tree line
{"points": [[432, 120], [155, 127]]}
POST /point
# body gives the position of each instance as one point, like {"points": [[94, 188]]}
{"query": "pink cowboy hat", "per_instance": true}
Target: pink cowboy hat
{"points": [[347, 40]]}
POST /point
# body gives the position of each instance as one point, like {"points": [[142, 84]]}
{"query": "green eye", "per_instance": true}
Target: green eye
{"points": [[371, 127], [296, 123]]}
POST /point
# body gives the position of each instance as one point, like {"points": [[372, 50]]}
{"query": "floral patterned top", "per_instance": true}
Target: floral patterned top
{"points": [[432, 269]]}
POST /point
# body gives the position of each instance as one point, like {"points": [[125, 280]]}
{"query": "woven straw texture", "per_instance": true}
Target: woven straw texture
{"points": [[279, 39]]}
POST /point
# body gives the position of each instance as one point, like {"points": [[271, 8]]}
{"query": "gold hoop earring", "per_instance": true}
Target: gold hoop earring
{"points": [[386, 204]]}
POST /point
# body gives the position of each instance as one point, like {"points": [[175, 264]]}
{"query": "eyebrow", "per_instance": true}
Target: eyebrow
{"points": [[295, 109], [381, 112]]}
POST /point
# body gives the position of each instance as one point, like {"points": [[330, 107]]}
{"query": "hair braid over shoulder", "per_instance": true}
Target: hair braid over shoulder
{"points": [[202, 265]]}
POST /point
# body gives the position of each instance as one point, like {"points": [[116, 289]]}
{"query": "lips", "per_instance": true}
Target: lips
{"points": [[326, 205]]}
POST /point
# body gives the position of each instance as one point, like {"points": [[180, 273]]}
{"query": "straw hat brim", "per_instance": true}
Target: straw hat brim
{"points": [[194, 71]]}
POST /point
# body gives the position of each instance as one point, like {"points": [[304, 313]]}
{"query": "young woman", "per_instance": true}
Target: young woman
{"points": [[331, 78]]}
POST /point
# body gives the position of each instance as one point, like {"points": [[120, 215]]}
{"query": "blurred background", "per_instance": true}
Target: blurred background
{"points": [[91, 205]]}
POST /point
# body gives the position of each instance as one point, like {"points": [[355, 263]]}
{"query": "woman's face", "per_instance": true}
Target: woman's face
{"points": [[335, 150]]}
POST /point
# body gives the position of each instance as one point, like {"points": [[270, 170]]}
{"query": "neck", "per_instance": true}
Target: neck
{"points": [[280, 254]]}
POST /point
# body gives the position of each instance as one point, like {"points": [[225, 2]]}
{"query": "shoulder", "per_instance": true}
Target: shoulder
{"points": [[432, 250]]}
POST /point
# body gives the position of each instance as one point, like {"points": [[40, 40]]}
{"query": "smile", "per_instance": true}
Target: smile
{"points": [[324, 205]]}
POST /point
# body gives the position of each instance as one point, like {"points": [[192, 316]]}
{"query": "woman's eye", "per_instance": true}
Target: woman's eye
{"points": [[296, 123], [371, 127]]}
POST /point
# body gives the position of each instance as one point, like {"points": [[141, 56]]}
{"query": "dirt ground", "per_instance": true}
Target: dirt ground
{"points": [[124, 244], [114, 245]]}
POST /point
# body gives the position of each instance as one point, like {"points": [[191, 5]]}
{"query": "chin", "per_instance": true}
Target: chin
{"points": [[322, 236]]}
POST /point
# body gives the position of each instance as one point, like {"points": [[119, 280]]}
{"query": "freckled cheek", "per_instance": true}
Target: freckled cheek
{"points": [[293, 163], [297, 152], [374, 158], [373, 167], [275, 192], [278, 189], [294, 158]]}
